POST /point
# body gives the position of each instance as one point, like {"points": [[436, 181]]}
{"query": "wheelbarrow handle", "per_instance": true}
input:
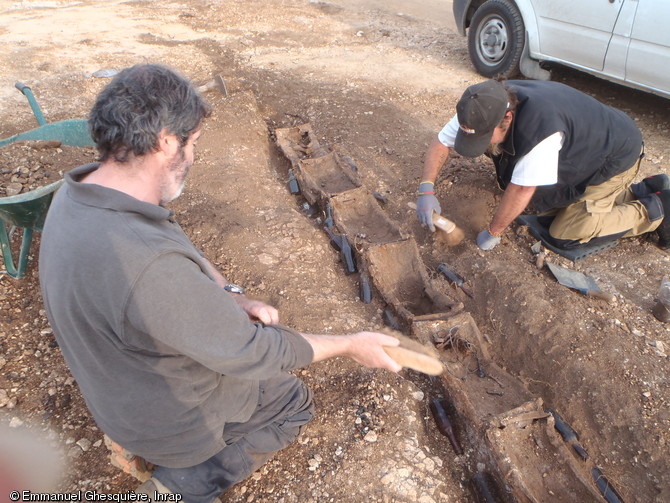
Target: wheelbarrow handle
{"points": [[32, 102]]}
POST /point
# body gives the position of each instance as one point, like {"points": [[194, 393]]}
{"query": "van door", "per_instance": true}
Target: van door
{"points": [[648, 61], [576, 31]]}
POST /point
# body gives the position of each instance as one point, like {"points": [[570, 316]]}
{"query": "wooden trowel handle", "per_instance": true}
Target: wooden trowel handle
{"points": [[414, 360], [439, 221], [598, 294]]}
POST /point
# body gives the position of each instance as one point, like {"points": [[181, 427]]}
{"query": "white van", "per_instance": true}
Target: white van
{"points": [[625, 41]]}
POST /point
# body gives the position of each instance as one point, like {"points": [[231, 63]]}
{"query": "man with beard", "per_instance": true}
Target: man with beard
{"points": [[571, 157], [164, 349]]}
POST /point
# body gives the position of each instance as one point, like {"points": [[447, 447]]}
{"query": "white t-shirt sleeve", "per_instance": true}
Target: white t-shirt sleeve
{"points": [[540, 165], [447, 136]]}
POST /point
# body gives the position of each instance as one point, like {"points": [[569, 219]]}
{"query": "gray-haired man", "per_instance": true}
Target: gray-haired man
{"points": [[162, 345]]}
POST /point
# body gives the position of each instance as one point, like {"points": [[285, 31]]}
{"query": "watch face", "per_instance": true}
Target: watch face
{"points": [[233, 288]]}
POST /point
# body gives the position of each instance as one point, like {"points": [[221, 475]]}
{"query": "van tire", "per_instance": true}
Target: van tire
{"points": [[496, 39]]}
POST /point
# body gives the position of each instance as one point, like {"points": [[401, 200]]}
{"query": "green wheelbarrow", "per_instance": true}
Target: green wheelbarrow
{"points": [[28, 211]]}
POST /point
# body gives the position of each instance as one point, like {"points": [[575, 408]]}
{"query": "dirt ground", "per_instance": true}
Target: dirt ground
{"points": [[375, 82]]}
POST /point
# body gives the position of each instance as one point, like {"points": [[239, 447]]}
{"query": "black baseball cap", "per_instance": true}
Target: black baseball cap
{"points": [[480, 110]]}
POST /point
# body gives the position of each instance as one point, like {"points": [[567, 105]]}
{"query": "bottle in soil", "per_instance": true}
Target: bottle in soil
{"points": [[365, 289], [335, 240], [293, 186], [347, 255], [662, 308], [439, 407]]}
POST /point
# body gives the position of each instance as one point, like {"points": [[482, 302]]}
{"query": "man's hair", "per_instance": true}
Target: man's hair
{"points": [[132, 110], [512, 98]]}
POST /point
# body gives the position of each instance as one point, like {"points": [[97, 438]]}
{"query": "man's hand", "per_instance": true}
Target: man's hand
{"points": [[258, 310], [426, 204], [366, 348], [486, 241]]}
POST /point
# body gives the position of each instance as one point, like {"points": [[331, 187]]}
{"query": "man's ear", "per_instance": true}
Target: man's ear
{"points": [[167, 142], [507, 119]]}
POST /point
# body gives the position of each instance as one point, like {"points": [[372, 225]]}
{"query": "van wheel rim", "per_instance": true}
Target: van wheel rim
{"points": [[493, 39]]}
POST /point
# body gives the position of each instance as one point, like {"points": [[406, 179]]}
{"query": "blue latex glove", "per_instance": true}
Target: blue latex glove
{"points": [[426, 204], [486, 241]]}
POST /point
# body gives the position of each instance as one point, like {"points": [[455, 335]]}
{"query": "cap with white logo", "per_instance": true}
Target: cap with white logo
{"points": [[480, 110]]}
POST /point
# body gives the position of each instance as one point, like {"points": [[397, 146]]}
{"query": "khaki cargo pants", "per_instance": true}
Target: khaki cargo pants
{"points": [[604, 210]]}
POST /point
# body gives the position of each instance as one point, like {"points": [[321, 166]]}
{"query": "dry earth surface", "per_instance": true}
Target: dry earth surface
{"points": [[376, 80]]}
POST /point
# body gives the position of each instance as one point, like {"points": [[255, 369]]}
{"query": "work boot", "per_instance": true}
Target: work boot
{"points": [[663, 230], [651, 185], [153, 485]]}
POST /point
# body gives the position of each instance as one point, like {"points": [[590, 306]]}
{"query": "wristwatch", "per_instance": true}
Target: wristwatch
{"points": [[233, 288]]}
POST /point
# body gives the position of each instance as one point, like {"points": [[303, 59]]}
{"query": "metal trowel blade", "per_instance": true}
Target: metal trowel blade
{"points": [[578, 281]]}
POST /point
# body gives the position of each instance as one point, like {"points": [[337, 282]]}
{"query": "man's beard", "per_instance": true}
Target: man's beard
{"points": [[177, 172], [494, 150]]}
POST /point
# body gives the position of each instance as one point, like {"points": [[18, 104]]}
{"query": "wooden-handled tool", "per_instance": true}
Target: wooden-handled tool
{"points": [[580, 282], [414, 355], [444, 224], [454, 235], [217, 84]]}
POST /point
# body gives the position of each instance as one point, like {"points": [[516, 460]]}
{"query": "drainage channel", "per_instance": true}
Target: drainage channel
{"points": [[517, 450]]}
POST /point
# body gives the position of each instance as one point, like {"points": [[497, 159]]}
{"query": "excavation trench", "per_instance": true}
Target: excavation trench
{"points": [[517, 450], [511, 445]]}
